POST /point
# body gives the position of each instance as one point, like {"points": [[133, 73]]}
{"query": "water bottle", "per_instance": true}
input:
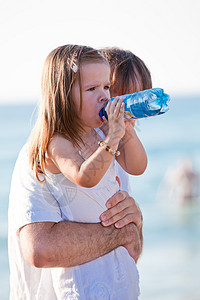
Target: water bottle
{"points": [[151, 102]]}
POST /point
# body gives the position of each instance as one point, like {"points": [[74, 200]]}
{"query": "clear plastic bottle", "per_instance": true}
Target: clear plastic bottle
{"points": [[142, 104]]}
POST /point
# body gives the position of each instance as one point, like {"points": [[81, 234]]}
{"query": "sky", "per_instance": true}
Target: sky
{"points": [[165, 34]]}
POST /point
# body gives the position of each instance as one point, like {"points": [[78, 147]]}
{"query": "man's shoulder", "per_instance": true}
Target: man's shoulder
{"points": [[23, 154], [23, 174]]}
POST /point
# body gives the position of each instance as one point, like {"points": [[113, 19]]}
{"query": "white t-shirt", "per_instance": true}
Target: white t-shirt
{"points": [[31, 201]]}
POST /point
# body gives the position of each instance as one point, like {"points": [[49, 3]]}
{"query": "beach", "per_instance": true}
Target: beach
{"points": [[169, 266]]}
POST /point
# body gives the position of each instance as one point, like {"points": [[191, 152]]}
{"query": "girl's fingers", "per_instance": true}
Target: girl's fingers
{"points": [[113, 105], [108, 108], [116, 107], [104, 120], [121, 111], [119, 107], [130, 123]]}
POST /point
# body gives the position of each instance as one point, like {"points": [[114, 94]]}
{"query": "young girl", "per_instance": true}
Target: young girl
{"points": [[75, 86], [64, 146]]}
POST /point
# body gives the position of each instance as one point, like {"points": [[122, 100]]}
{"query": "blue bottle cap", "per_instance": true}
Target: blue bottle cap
{"points": [[103, 113]]}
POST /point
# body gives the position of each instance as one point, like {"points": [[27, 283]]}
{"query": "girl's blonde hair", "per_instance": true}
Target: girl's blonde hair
{"points": [[127, 70], [57, 113]]}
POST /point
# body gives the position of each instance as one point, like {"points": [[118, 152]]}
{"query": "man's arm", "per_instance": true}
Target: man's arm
{"points": [[67, 244]]}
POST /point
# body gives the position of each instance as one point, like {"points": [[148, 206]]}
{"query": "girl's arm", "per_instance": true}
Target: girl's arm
{"points": [[68, 161], [133, 158], [63, 157]]}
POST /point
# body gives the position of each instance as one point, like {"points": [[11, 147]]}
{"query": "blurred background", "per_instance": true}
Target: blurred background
{"points": [[165, 34]]}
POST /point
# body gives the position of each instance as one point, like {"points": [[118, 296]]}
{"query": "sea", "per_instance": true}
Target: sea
{"points": [[169, 266]]}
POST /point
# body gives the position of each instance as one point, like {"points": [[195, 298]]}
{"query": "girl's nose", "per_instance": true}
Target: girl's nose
{"points": [[103, 99]]}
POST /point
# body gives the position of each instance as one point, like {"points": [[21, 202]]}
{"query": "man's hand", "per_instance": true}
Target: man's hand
{"points": [[122, 210], [135, 247]]}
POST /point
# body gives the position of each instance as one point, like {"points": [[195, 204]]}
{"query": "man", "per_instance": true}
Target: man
{"points": [[41, 240]]}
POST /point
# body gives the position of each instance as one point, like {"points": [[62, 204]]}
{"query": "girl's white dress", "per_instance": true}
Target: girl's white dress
{"points": [[112, 276]]}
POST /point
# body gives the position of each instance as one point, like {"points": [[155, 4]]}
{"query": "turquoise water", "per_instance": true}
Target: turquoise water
{"points": [[170, 264]]}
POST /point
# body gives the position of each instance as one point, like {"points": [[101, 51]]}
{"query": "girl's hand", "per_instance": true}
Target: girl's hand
{"points": [[122, 210], [115, 112], [128, 123]]}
